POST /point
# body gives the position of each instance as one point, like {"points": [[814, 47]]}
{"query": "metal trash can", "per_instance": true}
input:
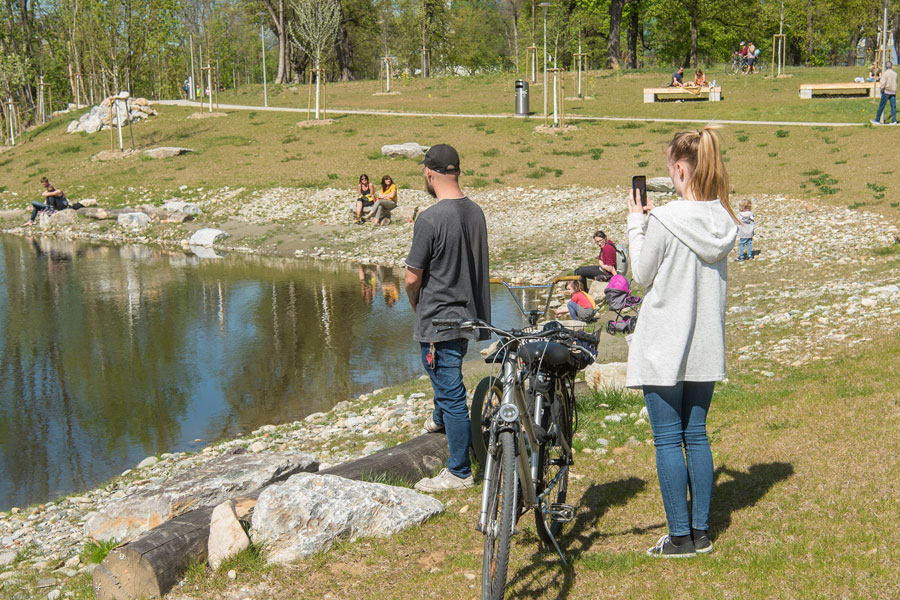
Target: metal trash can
{"points": [[521, 98]]}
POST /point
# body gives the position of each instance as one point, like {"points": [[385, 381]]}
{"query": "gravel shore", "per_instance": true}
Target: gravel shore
{"points": [[816, 289]]}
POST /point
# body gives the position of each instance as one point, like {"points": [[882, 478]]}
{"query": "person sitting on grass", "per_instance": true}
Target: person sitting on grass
{"points": [[364, 195], [580, 306], [386, 202], [677, 78]]}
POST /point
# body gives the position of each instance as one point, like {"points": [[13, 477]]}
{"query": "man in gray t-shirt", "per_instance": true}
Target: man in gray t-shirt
{"points": [[447, 277]]}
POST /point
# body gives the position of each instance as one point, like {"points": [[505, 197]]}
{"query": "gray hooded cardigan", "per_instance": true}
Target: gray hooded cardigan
{"points": [[678, 253]]}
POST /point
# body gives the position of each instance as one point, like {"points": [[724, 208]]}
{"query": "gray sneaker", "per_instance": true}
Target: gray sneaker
{"points": [[874, 122], [445, 480], [432, 427]]}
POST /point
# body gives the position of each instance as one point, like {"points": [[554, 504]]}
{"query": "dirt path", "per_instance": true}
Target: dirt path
{"points": [[346, 111]]}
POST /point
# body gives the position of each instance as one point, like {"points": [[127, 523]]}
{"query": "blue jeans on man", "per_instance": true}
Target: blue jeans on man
{"points": [[885, 98], [450, 408], [683, 457]]}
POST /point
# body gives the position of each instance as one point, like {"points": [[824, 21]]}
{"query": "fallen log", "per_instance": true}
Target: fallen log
{"points": [[149, 566]]}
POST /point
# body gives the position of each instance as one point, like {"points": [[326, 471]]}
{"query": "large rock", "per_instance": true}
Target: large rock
{"points": [[91, 123], [226, 534], [220, 479], [599, 376], [207, 237], [73, 127], [58, 218], [307, 513], [409, 150], [134, 220], [166, 151], [188, 208], [661, 184]]}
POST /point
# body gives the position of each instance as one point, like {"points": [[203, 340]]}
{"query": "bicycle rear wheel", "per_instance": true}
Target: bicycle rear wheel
{"points": [[551, 460], [500, 515]]}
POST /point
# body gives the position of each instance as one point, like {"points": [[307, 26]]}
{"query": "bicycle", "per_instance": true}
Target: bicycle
{"points": [[522, 424], [739, 64]]}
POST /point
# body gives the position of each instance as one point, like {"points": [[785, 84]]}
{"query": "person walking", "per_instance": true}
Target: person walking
{"points": [[679, 254], [888, 94], [447, 277]]}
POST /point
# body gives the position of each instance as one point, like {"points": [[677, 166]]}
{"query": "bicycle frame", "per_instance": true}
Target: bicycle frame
{"points": [[526, 443]]}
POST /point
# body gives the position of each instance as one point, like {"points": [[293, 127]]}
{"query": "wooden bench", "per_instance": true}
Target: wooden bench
{"points": [[713, 94], [869, 88]]}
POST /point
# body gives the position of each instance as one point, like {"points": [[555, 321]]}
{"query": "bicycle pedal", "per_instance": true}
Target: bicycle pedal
{"points": [[562, 513]]}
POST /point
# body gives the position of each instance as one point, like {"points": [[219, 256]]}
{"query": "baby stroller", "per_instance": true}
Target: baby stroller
{"points": [[623, 304]]}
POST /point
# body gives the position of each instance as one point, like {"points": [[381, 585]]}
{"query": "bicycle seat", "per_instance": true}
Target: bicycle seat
{"points": [[550, 354]]}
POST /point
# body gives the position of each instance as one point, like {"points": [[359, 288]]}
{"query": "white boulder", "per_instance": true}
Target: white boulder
{"points": [[599, 376], [307, 513], [166, 151], [207, 236], [660, 184], [135, 220], [408, 149], [226, 534], [188, 208]]}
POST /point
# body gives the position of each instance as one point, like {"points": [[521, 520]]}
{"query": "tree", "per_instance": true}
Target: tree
{"points": [[313, 28]]}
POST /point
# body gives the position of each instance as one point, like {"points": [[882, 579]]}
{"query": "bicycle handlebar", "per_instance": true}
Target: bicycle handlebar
{"points": [[513, 333]]}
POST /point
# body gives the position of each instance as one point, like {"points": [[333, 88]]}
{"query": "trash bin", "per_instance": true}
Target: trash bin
{"points": [[521, 98]]}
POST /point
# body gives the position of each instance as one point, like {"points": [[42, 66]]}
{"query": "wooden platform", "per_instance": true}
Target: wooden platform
{"points": [[869, 88], [713, 94]]}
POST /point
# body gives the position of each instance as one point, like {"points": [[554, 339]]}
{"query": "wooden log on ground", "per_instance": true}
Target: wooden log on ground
{"points": [[95, 212], [151, 565]]}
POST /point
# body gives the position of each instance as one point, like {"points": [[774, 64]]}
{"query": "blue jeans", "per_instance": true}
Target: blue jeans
{"points": [[678, 417], [746, 244], [885, 98], [37, 207], [450, 408]]}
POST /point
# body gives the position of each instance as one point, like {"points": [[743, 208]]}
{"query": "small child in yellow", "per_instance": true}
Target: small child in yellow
{"points": [[580, 306]]}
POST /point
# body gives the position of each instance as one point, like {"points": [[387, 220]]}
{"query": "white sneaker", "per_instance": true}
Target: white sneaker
{"points": [[874, 122], [445, 480], [432, 427]]}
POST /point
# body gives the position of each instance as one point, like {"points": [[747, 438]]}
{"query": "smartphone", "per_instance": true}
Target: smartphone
{"points": [[639, 182]]}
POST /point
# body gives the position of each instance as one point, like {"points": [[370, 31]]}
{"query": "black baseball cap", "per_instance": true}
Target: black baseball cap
{"points": [[442, 158]]}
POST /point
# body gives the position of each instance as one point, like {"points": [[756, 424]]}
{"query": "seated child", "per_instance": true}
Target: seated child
{"points": [[699, 78], [580, 306]]}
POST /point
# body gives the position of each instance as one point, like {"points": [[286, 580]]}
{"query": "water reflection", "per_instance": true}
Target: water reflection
{"points": [[109, 354]]}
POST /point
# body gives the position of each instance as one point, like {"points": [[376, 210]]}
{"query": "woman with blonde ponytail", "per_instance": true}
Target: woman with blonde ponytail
{"points": [[678, 253]]}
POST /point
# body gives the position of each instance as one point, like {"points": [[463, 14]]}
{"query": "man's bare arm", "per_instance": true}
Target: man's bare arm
{"points": [[413, 283]]}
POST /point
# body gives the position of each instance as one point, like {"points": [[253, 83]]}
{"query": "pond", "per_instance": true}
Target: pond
{"points": [[110, 354]]}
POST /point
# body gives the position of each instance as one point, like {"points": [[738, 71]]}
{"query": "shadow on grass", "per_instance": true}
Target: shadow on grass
{"points": [[546, 572], [743, 490]]}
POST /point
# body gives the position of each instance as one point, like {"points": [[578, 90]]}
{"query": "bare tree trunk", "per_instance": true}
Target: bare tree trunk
{"points": [[343, 49], [276, 13], [615, 27], [852, 53], [895, 18], [631, 52], [810, 45], [695, 34], [515, 16]]}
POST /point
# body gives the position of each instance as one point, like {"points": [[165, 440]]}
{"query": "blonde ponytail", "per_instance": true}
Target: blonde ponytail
{"points": [[700, 150]]}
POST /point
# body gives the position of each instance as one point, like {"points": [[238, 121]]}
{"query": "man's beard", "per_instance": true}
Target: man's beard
{"points": [[430, 189]]}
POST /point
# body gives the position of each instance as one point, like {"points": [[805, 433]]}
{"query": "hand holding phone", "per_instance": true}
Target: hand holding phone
{"points": [[639, 184]]}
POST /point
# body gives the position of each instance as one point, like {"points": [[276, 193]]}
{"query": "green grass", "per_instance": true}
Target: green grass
{"points": [[95, 551]]}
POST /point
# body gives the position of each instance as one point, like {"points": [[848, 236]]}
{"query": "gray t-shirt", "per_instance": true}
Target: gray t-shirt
{"points": [[450, 246]]}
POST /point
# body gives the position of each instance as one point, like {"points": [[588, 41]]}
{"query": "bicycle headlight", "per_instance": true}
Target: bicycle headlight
{"points": [[509, 413]]}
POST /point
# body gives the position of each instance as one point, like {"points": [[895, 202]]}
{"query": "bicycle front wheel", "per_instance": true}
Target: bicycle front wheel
{"points": [[734, 68], [551, 460], [500, 519]]}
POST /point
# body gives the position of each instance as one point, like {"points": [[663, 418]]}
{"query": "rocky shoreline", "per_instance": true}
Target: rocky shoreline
{"points": [[817, 288]]}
